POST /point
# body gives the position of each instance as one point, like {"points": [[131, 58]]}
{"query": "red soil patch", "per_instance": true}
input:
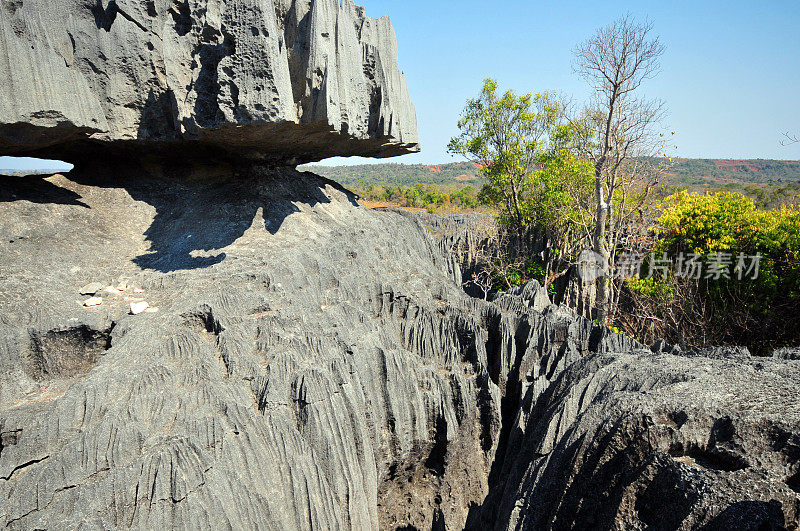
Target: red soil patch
{"points": [[735, 165], [383, 204]]}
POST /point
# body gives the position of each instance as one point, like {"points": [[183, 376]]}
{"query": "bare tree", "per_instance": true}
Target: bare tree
{"points": [[619, 134], [790, 139]]}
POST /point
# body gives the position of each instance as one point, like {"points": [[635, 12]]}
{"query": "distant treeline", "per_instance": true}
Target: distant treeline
{"points": [[433, 198], [758, 171], [769, 183], [691, 172], [19, 173], [458, 174]]}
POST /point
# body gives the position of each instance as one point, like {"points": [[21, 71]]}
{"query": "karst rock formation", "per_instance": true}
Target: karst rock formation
{"points": [[304, 362], [285, 81]]}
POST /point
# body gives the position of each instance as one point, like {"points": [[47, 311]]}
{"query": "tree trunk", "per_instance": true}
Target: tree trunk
{"points": [[599, 244]]}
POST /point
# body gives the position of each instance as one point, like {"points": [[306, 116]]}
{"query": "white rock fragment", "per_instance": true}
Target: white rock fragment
{"points": [[138, 307], [91, 288], [94, 301]]}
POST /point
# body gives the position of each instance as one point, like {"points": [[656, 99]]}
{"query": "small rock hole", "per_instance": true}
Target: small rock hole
{"points": [[794, 482], [66, 352]]}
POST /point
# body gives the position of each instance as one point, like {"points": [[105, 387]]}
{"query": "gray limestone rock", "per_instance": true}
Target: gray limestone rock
{"points": [[306, 362], [787, 353], [471, 239], [315, 364], [91, 288], [533, 294], [639, 440], [309, 356], [285, 81]]}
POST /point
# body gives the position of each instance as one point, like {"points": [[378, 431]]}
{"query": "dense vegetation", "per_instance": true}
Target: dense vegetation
{"points": [[452, 174], [694, 251], [433, 198], [735, 275], [776, 182], [691, 172]]}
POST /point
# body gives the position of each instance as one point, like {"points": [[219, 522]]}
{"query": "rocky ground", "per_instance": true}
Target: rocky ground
{"points": [[298, 359], [306, 362]]}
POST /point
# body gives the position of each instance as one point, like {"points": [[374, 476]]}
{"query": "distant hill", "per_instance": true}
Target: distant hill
{"points": [[724, 171], [692, 172], [18, 173], [457, 173]]}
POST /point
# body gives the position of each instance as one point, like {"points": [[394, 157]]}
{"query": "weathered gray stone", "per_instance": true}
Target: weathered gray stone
{"points": [[641, 440], [91, 288], [284, 81], [309, 357], [608, 434], [532, 294], [787, 353], [314, 364], [472, 239]]}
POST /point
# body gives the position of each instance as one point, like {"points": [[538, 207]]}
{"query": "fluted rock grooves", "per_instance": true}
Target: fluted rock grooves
{"points": [[286, 81], [314, 364]]}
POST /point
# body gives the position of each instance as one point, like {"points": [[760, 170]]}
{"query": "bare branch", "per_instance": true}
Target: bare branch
{"points": [[615, 61]]}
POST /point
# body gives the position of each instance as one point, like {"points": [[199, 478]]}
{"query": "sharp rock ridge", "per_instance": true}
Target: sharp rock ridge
{"points": [[283, 81]]}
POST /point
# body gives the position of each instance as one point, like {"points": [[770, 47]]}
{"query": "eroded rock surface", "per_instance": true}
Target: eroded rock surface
{"points": [[309, 363], [284, 81], [300, 367], [637, 440]]}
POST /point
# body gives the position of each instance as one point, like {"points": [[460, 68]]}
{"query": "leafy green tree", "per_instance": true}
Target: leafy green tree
{"points": [[740, 307], [560, 203], [521, 144], [507, 135]]}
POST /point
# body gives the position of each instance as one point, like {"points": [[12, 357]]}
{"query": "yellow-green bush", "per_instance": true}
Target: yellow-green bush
{"points": [[726, 222]]}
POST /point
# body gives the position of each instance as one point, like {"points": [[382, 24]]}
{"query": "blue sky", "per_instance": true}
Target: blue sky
{"points": [[730, 75]]}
